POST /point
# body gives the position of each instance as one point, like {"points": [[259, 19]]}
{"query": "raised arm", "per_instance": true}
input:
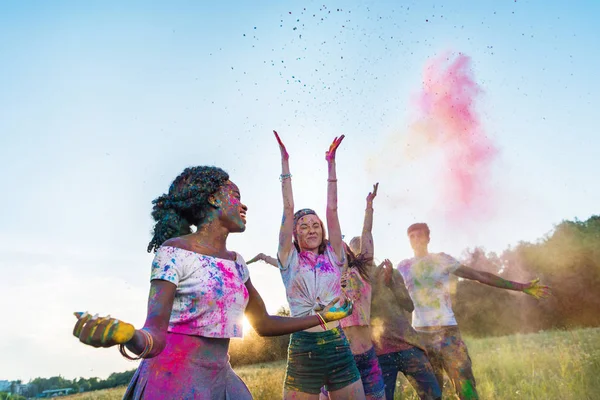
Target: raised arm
{"points": [[273, 325], [287, 221], [532, 288], [263, 257], [366, 238], [333, 222], [397, 286]]}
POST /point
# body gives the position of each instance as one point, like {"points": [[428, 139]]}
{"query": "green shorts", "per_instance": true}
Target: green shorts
{"points": [[317, 359]]}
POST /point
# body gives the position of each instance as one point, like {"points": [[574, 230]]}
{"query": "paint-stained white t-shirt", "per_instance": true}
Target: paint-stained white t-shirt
{"points": [[311, 280], [211, 294], [428, 282]]}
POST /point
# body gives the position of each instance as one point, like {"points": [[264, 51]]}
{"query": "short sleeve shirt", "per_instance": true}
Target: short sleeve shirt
{"points": [[311, 280], [211, 294], [428, 282]]}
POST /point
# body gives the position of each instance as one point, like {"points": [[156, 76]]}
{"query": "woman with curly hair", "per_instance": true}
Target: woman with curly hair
{"points": [[311, 268], [199, 292]]}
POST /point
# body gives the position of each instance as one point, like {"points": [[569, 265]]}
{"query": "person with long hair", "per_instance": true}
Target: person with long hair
{"points": [[356, 284], [311, 265], [199, 292]]}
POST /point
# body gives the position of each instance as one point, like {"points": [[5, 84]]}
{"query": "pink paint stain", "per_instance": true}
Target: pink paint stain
{"points": [[447, 120]]}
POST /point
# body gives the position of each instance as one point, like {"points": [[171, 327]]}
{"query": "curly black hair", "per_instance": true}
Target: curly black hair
{"points": [[185, 204]]}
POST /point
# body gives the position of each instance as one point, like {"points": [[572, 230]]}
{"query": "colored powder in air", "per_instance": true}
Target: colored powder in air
{"points": [[446, 123]]}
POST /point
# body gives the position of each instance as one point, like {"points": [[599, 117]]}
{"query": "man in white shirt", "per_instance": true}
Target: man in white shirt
{"points": [[427, 279]]}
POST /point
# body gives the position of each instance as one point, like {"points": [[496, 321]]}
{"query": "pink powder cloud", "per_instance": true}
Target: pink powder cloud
{"points": [[446, 123]]}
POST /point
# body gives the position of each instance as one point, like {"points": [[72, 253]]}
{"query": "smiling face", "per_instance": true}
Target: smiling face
{"points": [[309, 232], [231, 210]]}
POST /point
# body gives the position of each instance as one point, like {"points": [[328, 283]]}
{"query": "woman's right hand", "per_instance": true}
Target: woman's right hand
{"points": [[102, 331], [282, 149], [333, 313], [258, 257]]}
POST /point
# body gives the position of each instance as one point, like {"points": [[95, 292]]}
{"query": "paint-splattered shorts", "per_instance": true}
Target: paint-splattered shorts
{"points": [[447, 351], [317, 359], [370, 374]]}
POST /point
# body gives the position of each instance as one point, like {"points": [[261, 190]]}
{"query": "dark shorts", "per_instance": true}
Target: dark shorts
{"points": [[317, 359], [370, 374], [447, 351], [414, 364]]}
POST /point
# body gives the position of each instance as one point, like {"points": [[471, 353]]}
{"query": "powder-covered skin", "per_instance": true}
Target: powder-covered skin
{"points": [[311, 280], [359, 291], [427, 281], [211, 293]]}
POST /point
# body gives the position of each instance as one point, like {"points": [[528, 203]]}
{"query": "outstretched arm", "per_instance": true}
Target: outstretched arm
{"points": [[333, 222], [532, 288], [397, 286], [367, 248], [148, 341], [287, 221], [263, 257], [272, 325]]}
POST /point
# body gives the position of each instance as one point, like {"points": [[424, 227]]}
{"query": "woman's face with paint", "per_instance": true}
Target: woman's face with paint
{"points": [[232, 212], [309, 232]]}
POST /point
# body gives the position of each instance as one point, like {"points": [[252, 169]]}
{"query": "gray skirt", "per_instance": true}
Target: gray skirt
{"points": [[190, 367]]}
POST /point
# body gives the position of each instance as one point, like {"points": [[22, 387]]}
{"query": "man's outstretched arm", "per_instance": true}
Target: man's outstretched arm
{"points": [[533, 288]]}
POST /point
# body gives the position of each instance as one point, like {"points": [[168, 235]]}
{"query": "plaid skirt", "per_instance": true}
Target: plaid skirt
{"points": [[189, 367]]}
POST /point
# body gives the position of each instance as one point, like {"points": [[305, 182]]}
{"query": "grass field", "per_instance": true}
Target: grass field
{"points": [[549, 365]]}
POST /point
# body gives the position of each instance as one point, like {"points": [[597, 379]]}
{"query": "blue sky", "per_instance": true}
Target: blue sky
{"points": [[102, 104]]}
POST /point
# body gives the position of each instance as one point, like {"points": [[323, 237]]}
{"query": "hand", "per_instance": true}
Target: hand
{"points": [[258, 257], [102, 331], [330, 154], [371, 196], [536, 290], [332, 313], [284, 153], [387, 271]]}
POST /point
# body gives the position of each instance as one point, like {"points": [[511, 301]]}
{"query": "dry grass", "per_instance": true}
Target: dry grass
{"points": [[542, 366]]}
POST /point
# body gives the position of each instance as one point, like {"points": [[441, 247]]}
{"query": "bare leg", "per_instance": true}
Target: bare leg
{"points": [[292, 395], [354, 391]]}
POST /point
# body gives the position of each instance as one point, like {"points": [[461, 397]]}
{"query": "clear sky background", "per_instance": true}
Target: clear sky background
{"points": [[102, 104]]}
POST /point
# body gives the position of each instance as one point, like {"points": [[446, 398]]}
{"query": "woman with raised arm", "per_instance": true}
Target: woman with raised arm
{"points": [[199, 291], [311, 268], [356, 283]]}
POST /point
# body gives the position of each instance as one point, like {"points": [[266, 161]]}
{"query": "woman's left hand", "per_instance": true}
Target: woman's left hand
{"points": [[330, 154], [371, 196], [333, 313]]}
